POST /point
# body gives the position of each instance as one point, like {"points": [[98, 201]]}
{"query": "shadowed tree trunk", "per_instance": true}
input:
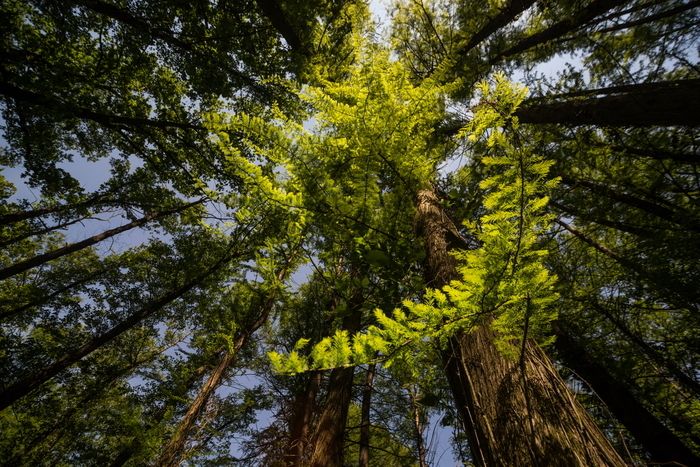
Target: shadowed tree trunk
{"points": [[329, 437], [300, 421], [170, 456], [664, 104], [172, 452], [514, 413], [659, 441], [506, 15], [568, 24]]}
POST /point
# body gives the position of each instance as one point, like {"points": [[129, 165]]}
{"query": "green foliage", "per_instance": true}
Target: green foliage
{"points": [[503, 283]]}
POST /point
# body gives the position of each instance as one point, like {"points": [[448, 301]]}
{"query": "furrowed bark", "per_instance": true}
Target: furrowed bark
{"points": [[31, 382], [514, 414], [22, 266], [300, 422], [663, 445], [330, 432]]}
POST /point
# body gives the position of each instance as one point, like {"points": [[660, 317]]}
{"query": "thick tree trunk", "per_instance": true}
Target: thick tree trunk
{"points": [[515, 413], [659, 441], [31, 382], [648, 104], [13, 217], [300, 422], [364, 417], [22, 266], [329, 438], [37, 232]]}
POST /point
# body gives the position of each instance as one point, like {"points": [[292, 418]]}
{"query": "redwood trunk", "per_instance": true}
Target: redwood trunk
{"points": [[669, 103], [329, 438], [300, 422], [514, 413]]}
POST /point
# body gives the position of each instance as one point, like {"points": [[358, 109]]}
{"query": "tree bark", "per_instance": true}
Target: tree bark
{"points": [[170, 457], [418, 429], [38, 260], [666, 104], [514, 413], [663, 445], [172, 452], [364, 417], [329, 437], [300, 422], [31, 382]]}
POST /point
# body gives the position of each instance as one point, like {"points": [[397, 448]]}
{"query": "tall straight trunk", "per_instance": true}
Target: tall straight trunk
{"points": [[300, 421], [515, 413], [418, 429], [38, 260], [37, 232], [506, 15], [648, 104], [131, 449], [567, 24], [13, 217], [170, 457], [31, 382], [172, 452], [663, 445], [364, 416], [329, 437]]}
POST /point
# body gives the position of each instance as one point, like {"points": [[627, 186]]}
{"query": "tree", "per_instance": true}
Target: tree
{"points": [[384, 233]]}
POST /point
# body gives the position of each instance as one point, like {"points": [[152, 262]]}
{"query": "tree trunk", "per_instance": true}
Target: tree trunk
{"points": [[568, 24], [506, 15], [38, 260], [172, 452], [34, 233], [29, 383], [648, 104], [300, 421], [514, 413], [170, 456], [418, 429], [13, 217], [659, 441], [364, 419], [329, 438]]}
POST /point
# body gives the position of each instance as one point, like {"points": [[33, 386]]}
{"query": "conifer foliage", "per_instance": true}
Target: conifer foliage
{"points": [[263, 232]]}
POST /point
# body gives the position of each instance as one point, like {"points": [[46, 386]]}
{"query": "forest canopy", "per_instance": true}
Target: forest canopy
{"points": [[282, 233]]}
